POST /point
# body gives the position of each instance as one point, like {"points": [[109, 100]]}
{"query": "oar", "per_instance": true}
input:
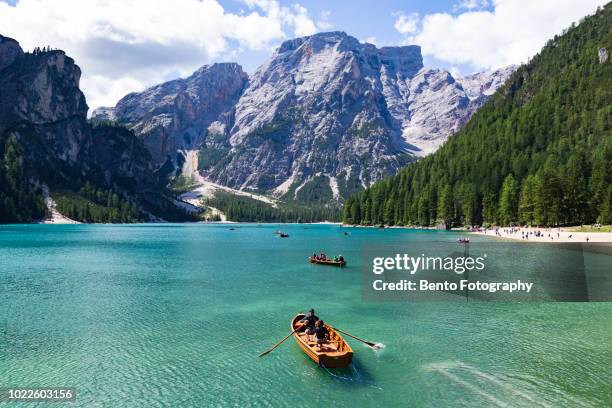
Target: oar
{"points": [[277, 344], [369, 343]]}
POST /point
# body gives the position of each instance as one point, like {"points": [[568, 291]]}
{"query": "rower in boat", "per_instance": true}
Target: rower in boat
{"points": [[309, 322], [321, 334], [325, 260], [328, 349]]}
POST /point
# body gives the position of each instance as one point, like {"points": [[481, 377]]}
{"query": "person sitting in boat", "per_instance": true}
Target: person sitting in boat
{"points": [[309, 321], [321, 333], [340, 258]]}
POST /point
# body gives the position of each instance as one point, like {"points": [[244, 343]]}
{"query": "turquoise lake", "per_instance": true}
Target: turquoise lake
{"points": [[169, 315]]}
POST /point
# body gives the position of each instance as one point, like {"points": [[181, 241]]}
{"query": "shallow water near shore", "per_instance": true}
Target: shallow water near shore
{"points": [[176, 315]]}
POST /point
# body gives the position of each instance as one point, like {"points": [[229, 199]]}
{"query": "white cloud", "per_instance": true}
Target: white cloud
{"points": [[126, 45], [512, 32], [406, 24], [303, 25], [323, 23], [471, 5], [371, 40]]}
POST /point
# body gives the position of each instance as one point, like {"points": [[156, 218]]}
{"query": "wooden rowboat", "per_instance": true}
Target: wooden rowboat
{"points": [[335, 354], [331, 262]]}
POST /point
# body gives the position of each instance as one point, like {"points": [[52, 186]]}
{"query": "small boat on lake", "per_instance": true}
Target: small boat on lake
{"points": [[284, 235], [330, 262], [335, 354], [463, 240]]}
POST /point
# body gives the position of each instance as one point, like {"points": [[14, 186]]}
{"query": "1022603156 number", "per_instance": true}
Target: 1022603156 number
{"points": [[65, 394]]}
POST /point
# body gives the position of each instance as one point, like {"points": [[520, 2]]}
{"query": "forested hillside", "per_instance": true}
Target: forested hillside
{"points": [[246, 209], [18, 202], [539, 152]]}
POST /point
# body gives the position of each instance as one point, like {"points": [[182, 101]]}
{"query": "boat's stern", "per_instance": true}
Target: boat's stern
{"points": [[336, 360]]}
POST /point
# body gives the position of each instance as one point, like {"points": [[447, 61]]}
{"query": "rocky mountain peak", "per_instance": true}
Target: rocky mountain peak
{"points": [[485, 83], [9, 51], [40, 87], [325, 114], [175, 115]]}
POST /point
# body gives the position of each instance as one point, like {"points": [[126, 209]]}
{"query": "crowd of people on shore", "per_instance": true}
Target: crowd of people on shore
{"points": [[525, 232]]}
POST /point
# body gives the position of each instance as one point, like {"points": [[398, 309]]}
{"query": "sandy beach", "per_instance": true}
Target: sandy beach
{"points": [[546, 235]]}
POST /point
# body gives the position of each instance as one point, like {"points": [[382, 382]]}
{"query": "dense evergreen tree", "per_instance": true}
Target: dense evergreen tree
{"points": [[508, 205], [246, 209], [96, 205], [538, 152], [20, 200]]}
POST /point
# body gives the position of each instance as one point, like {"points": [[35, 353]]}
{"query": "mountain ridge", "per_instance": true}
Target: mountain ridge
{"points": [[328, 113]]}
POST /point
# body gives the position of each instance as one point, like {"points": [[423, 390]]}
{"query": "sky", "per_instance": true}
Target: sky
{"points": [[125, 46]]}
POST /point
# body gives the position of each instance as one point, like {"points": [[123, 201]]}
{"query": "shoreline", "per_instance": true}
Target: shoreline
{"points": [[547, 235], [68, 221]]}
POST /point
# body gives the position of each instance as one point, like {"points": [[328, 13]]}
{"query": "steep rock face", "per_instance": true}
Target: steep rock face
{"points": [[325, 115], [485, 83], [42, 107], [42, 90], [315, 109], [328, 105], [10, 50], [175, 115]]}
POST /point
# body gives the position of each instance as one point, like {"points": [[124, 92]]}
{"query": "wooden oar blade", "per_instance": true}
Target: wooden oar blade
{"points": [[277, 344], [374, 346]]}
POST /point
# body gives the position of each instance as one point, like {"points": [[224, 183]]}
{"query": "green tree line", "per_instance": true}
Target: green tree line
{"points": [[96, 205], [19, 200], [539, 152], [246, 209]]}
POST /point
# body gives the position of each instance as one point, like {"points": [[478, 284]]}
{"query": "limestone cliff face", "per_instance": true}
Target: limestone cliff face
{"points": [[324, 113], [41, 103], [174, 115], [9, 51], [42, 90], [327, 109]]}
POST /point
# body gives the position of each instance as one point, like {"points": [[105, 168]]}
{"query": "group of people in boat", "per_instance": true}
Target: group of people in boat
{"points": [[313, 326], [323, 257]]}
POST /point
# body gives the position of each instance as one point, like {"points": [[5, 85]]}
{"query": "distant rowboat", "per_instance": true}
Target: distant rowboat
{"points": [[335, 354], [330, 262]]}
